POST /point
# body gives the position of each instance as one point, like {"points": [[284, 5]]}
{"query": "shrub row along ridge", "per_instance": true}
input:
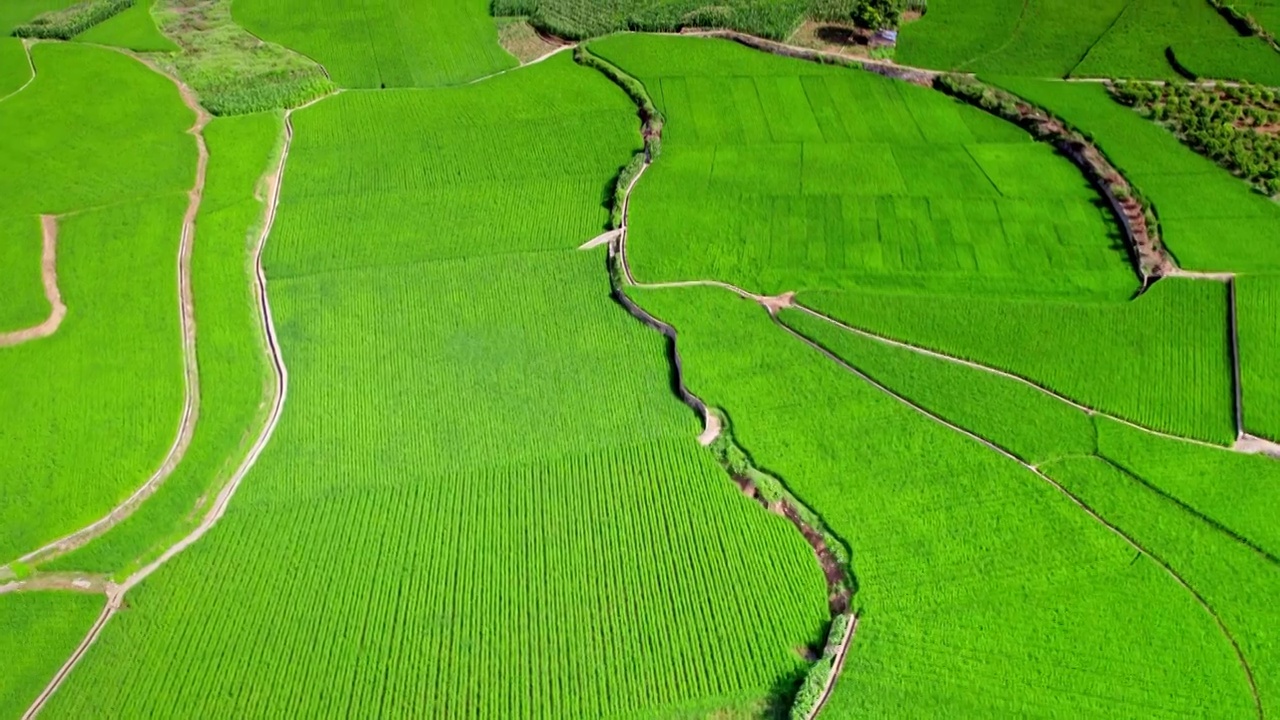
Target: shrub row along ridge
{"points": [[67, 23], [1136, 215]]}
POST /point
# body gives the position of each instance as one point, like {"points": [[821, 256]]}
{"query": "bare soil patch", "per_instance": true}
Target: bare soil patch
{"points": [[49, 278], [524, 41]]}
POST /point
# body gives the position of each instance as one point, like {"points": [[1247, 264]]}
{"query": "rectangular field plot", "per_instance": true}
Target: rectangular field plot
{"points": [[849, 179]]}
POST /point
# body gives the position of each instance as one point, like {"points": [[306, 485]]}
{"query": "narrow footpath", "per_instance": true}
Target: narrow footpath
{"points": [[49, 278]]}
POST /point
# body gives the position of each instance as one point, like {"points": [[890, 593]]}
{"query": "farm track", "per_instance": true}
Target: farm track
{"points": [[187, 321], [48, 278], [26, 48], [115, 593]]}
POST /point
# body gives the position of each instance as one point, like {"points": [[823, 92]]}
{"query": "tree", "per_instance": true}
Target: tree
{"points": [[877, 14]]}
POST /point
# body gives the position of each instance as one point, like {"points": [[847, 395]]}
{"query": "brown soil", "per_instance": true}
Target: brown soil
{"points": [[49, 278], [831, 569], [525, 42], [839, 38]]}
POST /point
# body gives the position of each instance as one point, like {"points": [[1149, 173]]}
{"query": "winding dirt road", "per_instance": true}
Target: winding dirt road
{"points": [[49, 278], [115, 594], [190, 366]]}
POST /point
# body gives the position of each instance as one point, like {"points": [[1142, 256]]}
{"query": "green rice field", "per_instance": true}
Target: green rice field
{"points": [[542, 359], [810, 177]]}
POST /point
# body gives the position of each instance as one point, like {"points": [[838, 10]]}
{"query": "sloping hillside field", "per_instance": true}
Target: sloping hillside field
{"points": [[559, 359]]}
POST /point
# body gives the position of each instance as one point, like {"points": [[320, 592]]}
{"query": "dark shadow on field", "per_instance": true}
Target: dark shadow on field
{"points": [[777, 704], [607, 193], [837, 35]]}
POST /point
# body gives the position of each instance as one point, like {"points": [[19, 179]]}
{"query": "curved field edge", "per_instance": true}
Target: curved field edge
{"points": [[231, 348], [1223, 495], [805, 447], [638, 479], [102, 203]]}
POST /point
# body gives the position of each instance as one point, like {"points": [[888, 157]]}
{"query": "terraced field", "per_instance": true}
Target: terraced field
{"points": [[392, 359]]}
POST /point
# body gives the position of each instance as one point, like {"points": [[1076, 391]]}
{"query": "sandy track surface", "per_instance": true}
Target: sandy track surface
{"points": [[191, 375], [115, 594], [49, 278]]}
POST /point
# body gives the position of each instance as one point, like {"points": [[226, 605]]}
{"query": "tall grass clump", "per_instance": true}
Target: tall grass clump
{"points": [[67, 23]]}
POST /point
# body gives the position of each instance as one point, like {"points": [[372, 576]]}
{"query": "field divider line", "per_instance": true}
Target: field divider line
{"points": [[534, 61], [115, 594], [1004, 374], [1116, 530], [31, 63], [187, 326]]}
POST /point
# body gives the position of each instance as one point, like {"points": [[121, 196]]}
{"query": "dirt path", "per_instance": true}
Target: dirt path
{"points": [[67, 581], [191, 373], [115, 594], [49, 277], [490, 76], [1168, 569], [827, 689], [26, 47]]}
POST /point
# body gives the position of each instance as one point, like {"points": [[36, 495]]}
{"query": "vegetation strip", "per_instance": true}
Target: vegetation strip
{"points": [[115, 594], [66, 23], [1204, 604], [837, 659], [191, 372], [49, 278]]}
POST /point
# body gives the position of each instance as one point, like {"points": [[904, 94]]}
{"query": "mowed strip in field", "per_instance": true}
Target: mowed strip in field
{"points": [[380, 43], [777, 174], [482, 499], [980, 585], [89, 412], [1209, 219], [229, 348]]}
